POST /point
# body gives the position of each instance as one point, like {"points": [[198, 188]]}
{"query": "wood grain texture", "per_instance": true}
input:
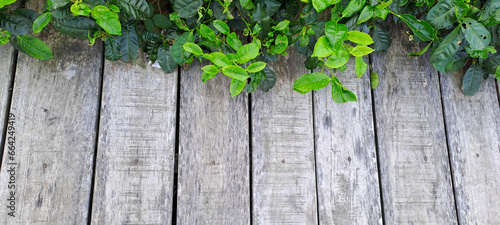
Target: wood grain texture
{"points": [[135, 159], [415, 171], [6, 67], [473, 125], [56, 108], [213, 185], [284, 184], [346, 158]]}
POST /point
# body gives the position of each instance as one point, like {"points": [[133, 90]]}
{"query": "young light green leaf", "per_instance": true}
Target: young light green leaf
{"points": [[338, 58], [421, 51], [179, 55], [207, 76], [247, 53], [336, 33], [476, 34], [384, 5], [323, 48], [233, 41], [282, 25], [256, 67], [247, 4], [235, 72], [6, 2], [472, 80], [79, 9], [4, 37], [353, 7], [366, 14], [359, 37], [374, 80], [218, 59], [210, 69], [221, 26], [192, 48], [361, 51], [422, 29], [236, 87], [340, 94], [206, 32], [311, 81], [34, 47], [442, 57], [107, 19], [360, 66], [114, 8], [41, 22]]}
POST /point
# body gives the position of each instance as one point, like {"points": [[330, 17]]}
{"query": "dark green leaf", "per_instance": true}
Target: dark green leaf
{"points": [[78, 26], [311, 81], [162, 21], [476, 34], [442, 57], [34, 47], [268, 80], [187, 8], [490, 65], [15, 24], [441, 15], [254, 83], [112, 48], [136, 8], [339, 93], [150, 25], [422, 29], [129, 43], [179, 55], [472, 80], [382, 39], [165, 59], [491, 14], [59, 3]]}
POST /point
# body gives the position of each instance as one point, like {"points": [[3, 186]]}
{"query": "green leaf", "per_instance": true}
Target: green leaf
{"points": [[442, 57], [207, 76], [107, 19], [352, 7], [129, 43], [360, 66], [4, 37], [162, 21], [311, 81], [384, 5], [112, 48], [491, 14], [206, 32], [247, 4], [336, 33], [323, 48], [41, 22], [78, 26], [441, 15], [282, 25], [366, 14], [472, 80], [338, 58], [114, 8], [210, 69], [340, 94], [179, 55], [421, 51], [6, 2], [221, 26], [187, 8], [254, 83], [381, 39], [236, 87], [361, 51], [359, 37], [374, 80], [15, 24], [422, 29], [218, 59], [233, 41], [247, 53], [34, 47], [193, 48], [138, 9], [165, 59], [256, 67], [80, 10], [381, 13], [321, 5], [476, 34], [235, 72], [268, 79]]}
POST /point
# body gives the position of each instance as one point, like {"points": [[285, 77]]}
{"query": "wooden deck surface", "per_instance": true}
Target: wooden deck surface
{"points": [[88, 141]]}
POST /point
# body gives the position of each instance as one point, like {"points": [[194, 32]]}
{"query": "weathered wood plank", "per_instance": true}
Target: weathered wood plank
{"points": [[55, 103], [6, 67], [473, 125], [284, 184], [213, 185], [346, 158], [135, 159], [415, 172]]}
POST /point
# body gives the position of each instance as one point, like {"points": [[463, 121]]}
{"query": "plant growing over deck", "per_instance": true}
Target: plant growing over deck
{"points": [[240, 37]]}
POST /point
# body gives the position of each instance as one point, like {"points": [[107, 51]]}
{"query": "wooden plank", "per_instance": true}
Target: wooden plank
{"points": [[55, 104], [346, 158], [473, 125], [415, 172], [284, 184], [213, 185], [6, 67], [135, 159]]}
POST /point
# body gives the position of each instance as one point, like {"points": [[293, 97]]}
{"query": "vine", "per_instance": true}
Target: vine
{"points": [[240, 37]]}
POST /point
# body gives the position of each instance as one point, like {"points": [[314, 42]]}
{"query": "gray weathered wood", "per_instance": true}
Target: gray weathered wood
{"points": [[346, 158], [284, 184], [415, 172], [6, 67], [213, 186], [56, 105], [473, 130], [135, 159]]}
